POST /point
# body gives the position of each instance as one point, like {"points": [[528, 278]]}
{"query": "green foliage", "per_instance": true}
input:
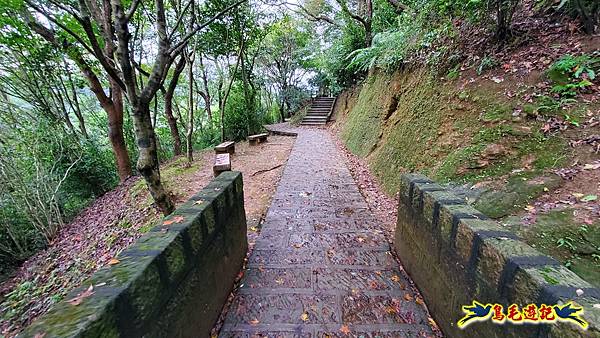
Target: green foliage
{"points": [[335, 62], [419, 34], [48, 176], [573, 73], [388, 51], [486, 63], [241, 120]]}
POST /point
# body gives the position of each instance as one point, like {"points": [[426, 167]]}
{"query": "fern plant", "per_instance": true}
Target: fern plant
{"points": [[572, 73]]}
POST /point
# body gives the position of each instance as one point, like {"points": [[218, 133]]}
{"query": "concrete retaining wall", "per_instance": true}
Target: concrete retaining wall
{"points": [[172, 282], [456, 255]]}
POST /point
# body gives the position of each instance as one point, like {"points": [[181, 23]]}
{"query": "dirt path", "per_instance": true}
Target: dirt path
{"points": [[117, 219], [321, 266]]}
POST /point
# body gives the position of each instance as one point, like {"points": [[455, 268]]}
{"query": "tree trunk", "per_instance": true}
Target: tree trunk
{"points": [[281, 111], [588, 17], [77, 108], [190, 129], [115, 132], [206, 93], [171, 120], [147, 163], [368, 35], [221, 108]]}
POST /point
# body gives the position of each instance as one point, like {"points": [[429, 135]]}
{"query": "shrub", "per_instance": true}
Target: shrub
{"points": [[572, 73]]}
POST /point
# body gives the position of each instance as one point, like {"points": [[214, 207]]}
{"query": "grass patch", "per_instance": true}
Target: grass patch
{"points": [[169, 173]]}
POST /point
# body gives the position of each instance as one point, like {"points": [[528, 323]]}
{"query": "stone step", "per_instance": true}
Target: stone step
{"points": [[313, 123]]}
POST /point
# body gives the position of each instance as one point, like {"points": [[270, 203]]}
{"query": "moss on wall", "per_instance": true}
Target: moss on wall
{"points": [[411, 121]]}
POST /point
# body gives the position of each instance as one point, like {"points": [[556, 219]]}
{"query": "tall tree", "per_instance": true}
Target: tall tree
{"points": [[112, 103], [360, 11], [119, 63], [284, 56]]}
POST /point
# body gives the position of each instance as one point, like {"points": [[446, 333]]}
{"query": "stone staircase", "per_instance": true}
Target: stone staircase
{"points": [[319, 111]]}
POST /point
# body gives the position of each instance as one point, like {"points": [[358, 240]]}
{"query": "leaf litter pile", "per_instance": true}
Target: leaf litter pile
{"points": [[95, 237]]}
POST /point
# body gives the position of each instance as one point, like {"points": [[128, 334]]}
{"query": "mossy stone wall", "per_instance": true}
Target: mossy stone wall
{"points": [[455, 255], [172, 282]]}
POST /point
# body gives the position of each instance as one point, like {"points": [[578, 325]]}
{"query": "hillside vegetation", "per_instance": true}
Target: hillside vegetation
{"points": [[503, 137]]}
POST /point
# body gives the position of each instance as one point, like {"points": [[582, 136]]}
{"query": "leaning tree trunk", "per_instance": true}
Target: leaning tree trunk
{"points": [[147, 163], [115, 133]]}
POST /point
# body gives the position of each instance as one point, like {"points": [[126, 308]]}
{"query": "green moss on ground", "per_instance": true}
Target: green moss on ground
{"points": [[516, 194], [169, 173], [577, 245]]}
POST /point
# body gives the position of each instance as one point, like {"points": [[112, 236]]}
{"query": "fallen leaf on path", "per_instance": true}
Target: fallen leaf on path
{"points": [[345, 329], [199, 202], [80, 297], [175, 219], [589, 198], [408, 297], [113, 261], [304, 317], [254, 322], [590, 166], [395, 278], [432, 323]]}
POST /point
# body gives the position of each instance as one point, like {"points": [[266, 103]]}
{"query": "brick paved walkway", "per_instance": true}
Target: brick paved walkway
{"points": [[321, 266]]}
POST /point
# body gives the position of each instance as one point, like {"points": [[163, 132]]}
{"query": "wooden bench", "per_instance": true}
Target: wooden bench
{"points": [[222, 163], [225, 147], [258, 138]]}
